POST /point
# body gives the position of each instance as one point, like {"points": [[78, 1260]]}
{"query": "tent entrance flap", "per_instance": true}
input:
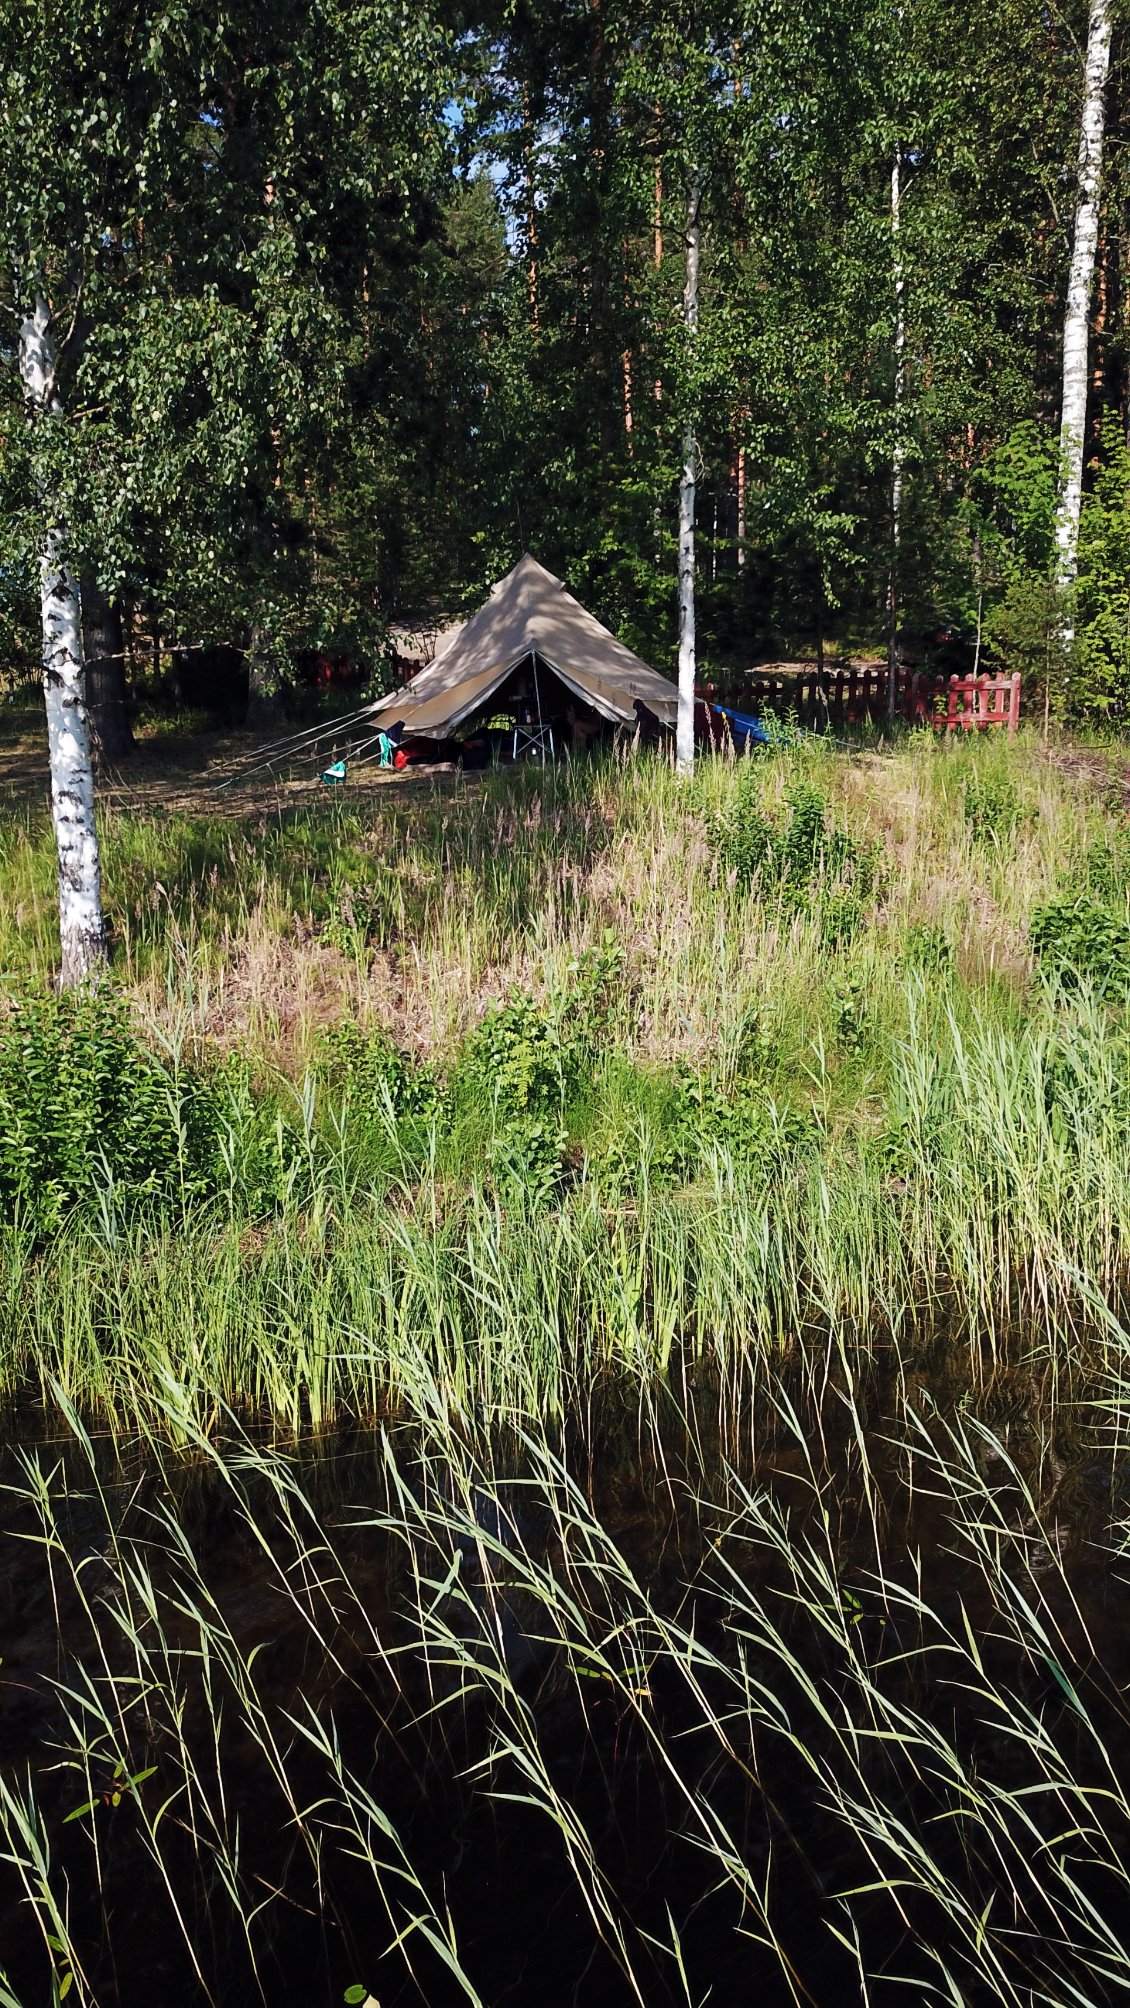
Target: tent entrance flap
{"points": [[585, 696]]}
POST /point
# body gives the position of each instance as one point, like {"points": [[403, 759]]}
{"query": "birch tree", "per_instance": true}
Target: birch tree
{"points": [[194, 202], [82, 932], [898, 451], [1080, 284], [684, 731]]}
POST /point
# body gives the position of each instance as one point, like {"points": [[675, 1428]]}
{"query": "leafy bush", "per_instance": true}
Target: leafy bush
{"points": [[596, 983], [1100, 661], [664, 1128], [175, 724], [516, 1056], [1080, 940], [804, 860], [926, 947], [740, 837], [355, 919], [850, 1000], [88, 1115], [515, 1067], [376, 1077], [749, 1126]]}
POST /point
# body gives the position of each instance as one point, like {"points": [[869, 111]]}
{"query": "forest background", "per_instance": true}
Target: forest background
{"points": [[352, 305]]}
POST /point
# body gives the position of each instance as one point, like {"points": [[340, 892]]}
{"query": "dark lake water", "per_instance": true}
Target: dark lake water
{"points": [[651, 1717]]}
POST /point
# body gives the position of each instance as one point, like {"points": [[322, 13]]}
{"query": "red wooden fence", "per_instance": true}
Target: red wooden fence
{"points": [[850, 696], [963, 703]]}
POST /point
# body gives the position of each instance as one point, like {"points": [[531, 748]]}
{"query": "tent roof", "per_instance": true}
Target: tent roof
{"points": [[529, 612]]}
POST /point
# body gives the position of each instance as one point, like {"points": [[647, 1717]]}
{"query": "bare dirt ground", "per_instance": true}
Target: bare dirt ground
{"points": [[1106, 772], [200, 774]]}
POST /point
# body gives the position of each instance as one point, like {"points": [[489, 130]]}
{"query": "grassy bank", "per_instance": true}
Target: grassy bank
{"points": [[567, 1394], [414, 908], [825, 1042]]}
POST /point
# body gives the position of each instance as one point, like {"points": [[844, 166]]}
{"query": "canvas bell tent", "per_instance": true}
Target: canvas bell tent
{"points": [[531, 655], [531, 650]]}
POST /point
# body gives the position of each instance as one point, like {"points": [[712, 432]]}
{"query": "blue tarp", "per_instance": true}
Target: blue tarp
{"points": [[743, 727]]}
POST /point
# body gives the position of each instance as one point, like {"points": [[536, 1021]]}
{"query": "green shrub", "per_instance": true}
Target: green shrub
{"points": [[596, 985], [664, 1127], [355, 918], [89, 1117], [1099, 666], [376, 1078], [175, 724], [517, 1059], [1081, 941], [926, 947], [749, 1126], [804, 861], [850, 1001], [992, 807], [740, 837], [513, 1073]]}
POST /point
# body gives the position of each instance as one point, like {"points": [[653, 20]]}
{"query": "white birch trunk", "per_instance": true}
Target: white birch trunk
{"points": [[898, 452], [684, 729], [1077, 315], [81, 929]]}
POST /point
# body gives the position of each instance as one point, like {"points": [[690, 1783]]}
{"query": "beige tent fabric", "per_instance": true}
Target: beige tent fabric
{"points": [[529, 612]]}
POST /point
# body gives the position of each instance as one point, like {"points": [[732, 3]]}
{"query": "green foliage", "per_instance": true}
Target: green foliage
{"points": [[749, 1127], [375, 1078], [1018, 484], [516, 1066], [88, 1118], [850, 1002], [1100, 674], [992, 806], [926, 947], [355, 918], [804, 861], [517, 1058], [174, 724], [1016, 491], [662, 1128], [1078, 940], [528, 1061], [595, 986], [738, 833], [1106, 867], [234, 200]]}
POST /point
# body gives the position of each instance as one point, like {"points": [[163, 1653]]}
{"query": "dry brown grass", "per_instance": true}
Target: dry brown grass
{"points": [[501, 881]]}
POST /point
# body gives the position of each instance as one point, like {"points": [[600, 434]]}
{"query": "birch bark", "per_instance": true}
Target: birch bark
{"points": [[898, 452], [81, 929], [1077, 316], [684, 728]]}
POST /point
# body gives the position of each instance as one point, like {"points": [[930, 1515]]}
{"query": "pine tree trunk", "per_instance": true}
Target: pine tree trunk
{"points": [[684, 730], [1076, 320], [81, 928], [107, 700]]}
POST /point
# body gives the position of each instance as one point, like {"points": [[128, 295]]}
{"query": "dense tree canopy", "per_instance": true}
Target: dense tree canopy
{"points": [[354, 304]]}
